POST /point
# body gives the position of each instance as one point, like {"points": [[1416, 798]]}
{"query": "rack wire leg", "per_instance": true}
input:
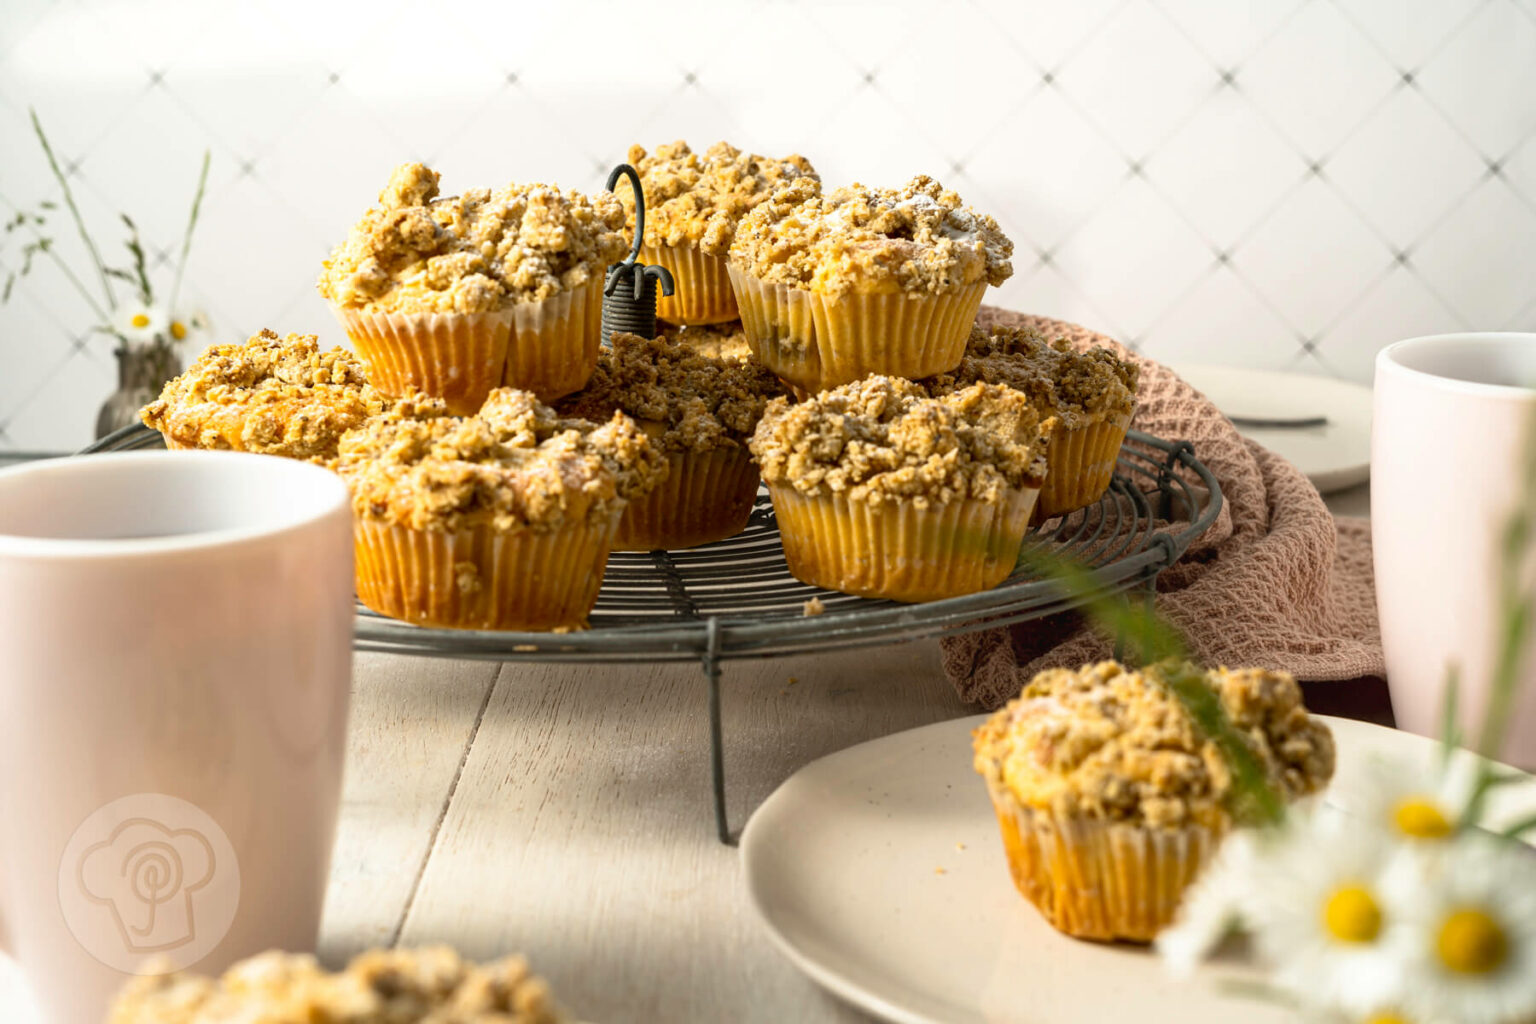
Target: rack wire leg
{"points": [[716, 733], [717, 756]]}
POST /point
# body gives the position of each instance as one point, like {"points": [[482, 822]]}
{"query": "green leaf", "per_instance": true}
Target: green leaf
{"points": [[1520, 827]]}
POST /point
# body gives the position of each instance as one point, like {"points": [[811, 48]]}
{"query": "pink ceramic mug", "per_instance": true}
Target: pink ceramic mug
{"points": [[1451, 414], [175, 661]]}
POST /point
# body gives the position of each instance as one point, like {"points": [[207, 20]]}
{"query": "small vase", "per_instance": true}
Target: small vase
{"points": [[142, 370]]}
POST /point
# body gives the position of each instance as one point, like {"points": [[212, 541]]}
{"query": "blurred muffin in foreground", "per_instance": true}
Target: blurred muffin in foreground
{"points": [[455, 295], [1091, 393], [270, 395], [699, 411], [425, 986], [882, 490], [863, 280], [693, 202], [502, 520], [1110, 799]]}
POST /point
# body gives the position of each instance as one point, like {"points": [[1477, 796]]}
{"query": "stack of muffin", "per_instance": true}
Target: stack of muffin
{"points": [[823, 342]]}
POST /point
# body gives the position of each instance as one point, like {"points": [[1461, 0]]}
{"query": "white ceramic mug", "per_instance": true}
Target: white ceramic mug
{"points": [[175, 664], [1451, 414]]}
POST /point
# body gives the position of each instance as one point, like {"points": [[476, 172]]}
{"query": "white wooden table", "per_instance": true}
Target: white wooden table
{"points": [[564, 812]]}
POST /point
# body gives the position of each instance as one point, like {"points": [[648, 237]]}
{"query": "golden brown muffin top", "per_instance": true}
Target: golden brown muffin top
{"points": [[397, 986], [686, 402], [478, 252], [693, 199], [918, 239], [515, 464], [718, 341], [1078, 387], [885, 439], [1112, 744], [269, 395]]}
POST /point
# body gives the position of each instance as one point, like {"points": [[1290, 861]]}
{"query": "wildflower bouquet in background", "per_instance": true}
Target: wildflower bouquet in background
{"points": [[149, 331], [1408, 908]]}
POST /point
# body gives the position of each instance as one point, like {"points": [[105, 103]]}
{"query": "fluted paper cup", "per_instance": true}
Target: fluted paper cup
{"points": [[478, 577], [702, 289], [458, 357], [1100, 880], [706, 496], [1080, 464], [554, 343], [815, 342], [895, 549]]}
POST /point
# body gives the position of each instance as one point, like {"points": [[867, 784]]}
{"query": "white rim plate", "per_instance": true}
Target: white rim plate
{"points": [[1334, 456], [879, 872]]}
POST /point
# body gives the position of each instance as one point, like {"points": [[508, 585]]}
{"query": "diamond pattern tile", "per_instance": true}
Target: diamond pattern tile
{"points": [[1291, 183]]}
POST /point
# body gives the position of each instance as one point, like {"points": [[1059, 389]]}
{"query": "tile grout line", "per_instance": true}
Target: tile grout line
{"points": [[442, 815]]}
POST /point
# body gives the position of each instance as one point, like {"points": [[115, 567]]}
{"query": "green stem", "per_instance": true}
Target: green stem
{"points": [[69, 275], [69, 199], [186, 239]]}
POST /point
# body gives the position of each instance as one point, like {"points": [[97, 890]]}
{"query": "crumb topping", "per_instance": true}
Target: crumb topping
{"points": [[884, 438], [425, 986], [515, 463], [917, 239], [1078, 387], [1114, 744], [718, 341], [690, 402], [269, 395], [693, 199], [478, 252]]}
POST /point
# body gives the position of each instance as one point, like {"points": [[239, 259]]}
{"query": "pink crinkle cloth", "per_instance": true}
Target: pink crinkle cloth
{"points": [[1276, 581]]}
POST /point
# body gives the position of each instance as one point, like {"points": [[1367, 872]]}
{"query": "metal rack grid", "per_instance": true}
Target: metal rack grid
{"points": [[736, 599]]}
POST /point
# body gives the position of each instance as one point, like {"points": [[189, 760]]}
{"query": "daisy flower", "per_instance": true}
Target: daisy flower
{"points": [[1213, 906], [184, 326], [1415, 801], [138, 321], [1473, 955], [1325, 917]]}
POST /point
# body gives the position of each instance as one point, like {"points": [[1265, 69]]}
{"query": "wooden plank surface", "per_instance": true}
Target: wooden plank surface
{"points": [[581, 833], [411, 723]]}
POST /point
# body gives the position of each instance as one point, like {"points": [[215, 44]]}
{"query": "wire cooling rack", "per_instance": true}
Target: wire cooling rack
{"points": [[736, 599]]}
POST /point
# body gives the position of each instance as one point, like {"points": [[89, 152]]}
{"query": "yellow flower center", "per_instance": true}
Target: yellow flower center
{"points": [[140, 320], [1351, 914], [178, 330], [1386, 1018], [1420, 818], [1472, 942]]}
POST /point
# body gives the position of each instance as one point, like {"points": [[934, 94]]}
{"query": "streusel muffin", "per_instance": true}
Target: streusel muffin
{"points": [[456, 295], [726, 341], [861, 281], [884, 491], [502, 520], [693, 203], [1092, 393], [270, 395], [396, 986], [1111, 799], [699, 411]]}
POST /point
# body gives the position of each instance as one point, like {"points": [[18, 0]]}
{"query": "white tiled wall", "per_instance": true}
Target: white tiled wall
{"points": [[1278, 183]]}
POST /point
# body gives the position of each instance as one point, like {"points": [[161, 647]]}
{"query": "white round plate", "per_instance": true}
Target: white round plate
{"points": [[1334, 456], [878, 870]]}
